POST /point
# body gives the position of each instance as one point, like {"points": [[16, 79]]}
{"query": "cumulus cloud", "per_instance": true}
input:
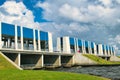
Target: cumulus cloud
{"points": [[17, 13], [96, 20]]}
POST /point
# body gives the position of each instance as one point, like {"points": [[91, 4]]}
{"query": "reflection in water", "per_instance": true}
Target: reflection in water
{"points": [[112, 72]]}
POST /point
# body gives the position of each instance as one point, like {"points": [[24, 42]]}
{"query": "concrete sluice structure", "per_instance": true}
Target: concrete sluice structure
{"points": [[74, 45], [30, 48], [32, 60]]}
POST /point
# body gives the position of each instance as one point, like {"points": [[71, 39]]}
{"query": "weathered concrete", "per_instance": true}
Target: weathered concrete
{"points": [[51, 61], [79, 59], [67, 61], [114, 58], [31, 61]]}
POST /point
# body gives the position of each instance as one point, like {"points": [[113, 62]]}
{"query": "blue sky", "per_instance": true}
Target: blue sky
{"points": [[92, 20]]}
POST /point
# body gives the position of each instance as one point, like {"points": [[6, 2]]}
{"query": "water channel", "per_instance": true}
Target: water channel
{"points": [[112, 72]]}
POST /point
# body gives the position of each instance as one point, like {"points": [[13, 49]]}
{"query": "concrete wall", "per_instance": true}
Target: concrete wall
{"points": [[114, 58], [31, 60], [67, 61], [51, 61], [79, 59]]}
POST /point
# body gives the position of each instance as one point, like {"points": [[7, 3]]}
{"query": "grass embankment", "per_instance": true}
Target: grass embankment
{"points": [[100, 60], [5, 65], [44, 75]]}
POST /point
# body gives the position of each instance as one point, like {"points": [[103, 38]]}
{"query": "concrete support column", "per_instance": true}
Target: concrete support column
{"points": [[21, 38], [18, 60], [50, 43], [77, 48], [59, 45], [95, 49], [66, 45], [42, 57], [34, 40], [100, 50], [59, 60], [0, 35], [39, 47], [89, 47], [84, 50], [16, 38], [75, 45], [39, 63]]}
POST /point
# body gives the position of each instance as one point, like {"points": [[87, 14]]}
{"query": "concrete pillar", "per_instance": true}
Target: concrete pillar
{"points": [[95, 49], [0, 35], [89, 47], [59, 44], [84, 50], [39, 47], [39, 62], [50, 43], [59, 60], [16, 38], [66, 45], [34, 40], [100, 50], [21, 38], [42, 57], [75, 45], [17, 60], [77, 48]]}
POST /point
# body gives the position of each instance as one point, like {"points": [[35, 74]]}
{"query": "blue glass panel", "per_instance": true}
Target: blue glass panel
{"points": [[18, 31], [103, 47], [79, 42], [86, 44], [107, 47], [92, 45], [43, 35], [112, 49], [36, 34], [72, 42], [27, 33], [8, 29]]}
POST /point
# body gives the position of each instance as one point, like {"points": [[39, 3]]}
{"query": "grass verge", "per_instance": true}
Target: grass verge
{"points": [[5, 65], [44, 75], [99, 60]]}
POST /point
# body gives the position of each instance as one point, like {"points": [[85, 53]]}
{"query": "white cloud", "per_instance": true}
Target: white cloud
{"points": [[17, 13], [96, 20], [106, 2]]}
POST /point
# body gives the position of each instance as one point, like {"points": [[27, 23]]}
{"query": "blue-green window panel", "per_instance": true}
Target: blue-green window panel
{"points": [[8, 29], [36, 34], [43, 35], [27, 33], [18, 31], [72, 41], [103, 47], [80, 43], [86, 44], [92, 45], [107, 47]]}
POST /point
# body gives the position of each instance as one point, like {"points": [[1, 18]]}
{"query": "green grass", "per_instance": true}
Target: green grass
{"points": [[44, 75], [5, 65], [99, 60]]}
